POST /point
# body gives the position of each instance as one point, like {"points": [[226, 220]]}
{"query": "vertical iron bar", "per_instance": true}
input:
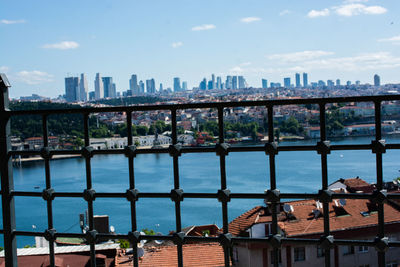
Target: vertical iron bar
{"points": [[89, 186], [272, 180], [7, 181], [48, 186], [324, 170], [379, 179], [132, 185], [176, 185], [222, 164]]}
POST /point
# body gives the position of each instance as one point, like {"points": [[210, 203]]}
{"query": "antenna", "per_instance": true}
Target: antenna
{"points": [[112, 229]]}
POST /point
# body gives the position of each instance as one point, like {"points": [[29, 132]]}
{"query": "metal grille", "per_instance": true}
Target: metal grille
{"points": [[177, 195]]}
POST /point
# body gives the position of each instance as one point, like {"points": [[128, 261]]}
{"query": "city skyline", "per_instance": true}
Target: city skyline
{"points": [[328, 40]]}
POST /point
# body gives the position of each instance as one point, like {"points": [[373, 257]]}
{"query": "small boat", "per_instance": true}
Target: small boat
{"points": [[36, 187]]}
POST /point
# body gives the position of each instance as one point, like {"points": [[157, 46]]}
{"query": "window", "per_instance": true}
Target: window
{"points": [[279, 257], [348, 250], [300, 254], [363, 249], [320, 252]]}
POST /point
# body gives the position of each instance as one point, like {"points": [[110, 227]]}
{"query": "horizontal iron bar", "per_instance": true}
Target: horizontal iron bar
{"points": [[276, 102]]}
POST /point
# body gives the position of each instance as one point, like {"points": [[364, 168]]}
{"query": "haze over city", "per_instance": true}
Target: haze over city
{"points": [[347, 40]]}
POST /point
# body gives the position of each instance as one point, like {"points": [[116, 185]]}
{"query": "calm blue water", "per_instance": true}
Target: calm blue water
{"points": [[246, 172]]}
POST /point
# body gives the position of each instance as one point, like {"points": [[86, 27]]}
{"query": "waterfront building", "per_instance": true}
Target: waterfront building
{"points": [[298, 84], [264, 83], [177, 84], [377, 80], [98, 87], [72, 89], [286, 82], [305, 79], [83, 88]]}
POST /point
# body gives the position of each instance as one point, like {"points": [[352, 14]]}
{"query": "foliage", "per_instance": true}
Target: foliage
{"points": [[148, 232], [123, 243], [127, 101]]}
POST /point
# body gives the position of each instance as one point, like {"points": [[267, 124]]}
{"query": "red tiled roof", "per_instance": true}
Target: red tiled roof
{"points": [[305, 224], [194, 255]]}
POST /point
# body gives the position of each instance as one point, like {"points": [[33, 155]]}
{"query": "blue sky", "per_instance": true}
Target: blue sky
{"points": [[44, 41]]}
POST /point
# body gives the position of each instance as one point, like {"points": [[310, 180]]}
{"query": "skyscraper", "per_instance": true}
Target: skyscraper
{"points": [[242, 82], [133, 85], [98, 87], [141, 87], [108, 87], [150, 86], [337, 82], [286, 82], [161, 87], [72, 89], [305, 79], [184, 86], [264, 83], [228, 83], [83, 88], [298, 84], [219, 83], [203, 84], [330, 84], [234, 82], [377, 80], [177, 84], [213, 81]]}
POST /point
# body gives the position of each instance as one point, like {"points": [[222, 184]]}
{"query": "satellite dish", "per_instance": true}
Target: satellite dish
{"points": [[112, 229], [342, 202], [288, 208], [159, 242], [140, 252]]}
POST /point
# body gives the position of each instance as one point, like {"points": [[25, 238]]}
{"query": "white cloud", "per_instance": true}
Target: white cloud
{"points": [[4, 69], [33, 77], [354, 9], [394, 39], [245, 64], [237, 69], [250, 19], [176, 44], [318, 13], [62, 45], [6, 21], [204, 27], [299, 56], [285, 12]]}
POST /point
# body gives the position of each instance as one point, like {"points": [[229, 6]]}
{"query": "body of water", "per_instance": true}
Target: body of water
{"points": [[246, 172]]}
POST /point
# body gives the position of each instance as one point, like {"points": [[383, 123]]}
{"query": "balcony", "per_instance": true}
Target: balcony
{"points": [[272, 196]]}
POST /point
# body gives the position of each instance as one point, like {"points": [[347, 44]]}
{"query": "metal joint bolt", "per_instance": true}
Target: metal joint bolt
{"points": [[272, 195], [379, 197], [89, 194], [326, 242], [45, 153], [325, 196], [87, 152], [271, 148], [91, 236], [324, 147], [381, 244], [177, 195], [378, 146], [130, 151], [49, 234], [175, 150], [48, 194], [275, 240], [225, 240], [222, 149], [134, 237], [224, 195], [132, 195], [178, 238]]}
